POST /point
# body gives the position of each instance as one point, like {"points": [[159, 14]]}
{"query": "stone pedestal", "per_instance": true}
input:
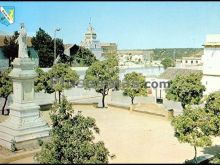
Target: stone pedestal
{"points": [[24, 123]]}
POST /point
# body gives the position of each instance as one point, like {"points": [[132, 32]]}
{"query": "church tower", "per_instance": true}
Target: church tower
{"points": [[90, 41]]}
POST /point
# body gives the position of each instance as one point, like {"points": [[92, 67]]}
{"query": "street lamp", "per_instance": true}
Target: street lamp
{"points": [[57, 29]]}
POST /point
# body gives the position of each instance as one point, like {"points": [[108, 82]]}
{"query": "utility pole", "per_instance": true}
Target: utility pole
{"points": [[57, 29], [55, 52]]}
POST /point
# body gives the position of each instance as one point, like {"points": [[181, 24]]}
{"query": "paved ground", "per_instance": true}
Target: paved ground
{"points": [[136, 137]]}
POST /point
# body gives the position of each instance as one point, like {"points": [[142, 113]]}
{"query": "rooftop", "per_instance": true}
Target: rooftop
{"points": [[191, 58], [212, 40], [67, 46], [171, 73], [108, 44]]}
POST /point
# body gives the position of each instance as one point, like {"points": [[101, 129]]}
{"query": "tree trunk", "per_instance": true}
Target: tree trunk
{"points": [[3, 108], [195, 154], [55, 96], [132, 100], [183, 105], [103, 100], [59, 97], [9, 61]]}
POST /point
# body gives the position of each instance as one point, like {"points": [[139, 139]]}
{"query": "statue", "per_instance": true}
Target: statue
{"points": [[22, 42]]}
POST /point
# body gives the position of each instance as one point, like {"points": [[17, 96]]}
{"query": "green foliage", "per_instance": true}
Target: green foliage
{"points": [[61, 77], [167, 62], [5, 83], [81, 56], [212, 108], [10, 48], [6, 87], [84, 57], [44, 44], [72, 139], [179, 53], [59, 46], [213, 103], [40, 80], [192, 161], [187, 89], [215, 160], [134, 85], [58, 78], [102, 76], [43, 82], [191, 127]]}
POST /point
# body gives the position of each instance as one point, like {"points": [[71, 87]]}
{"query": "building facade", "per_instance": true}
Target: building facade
{"points": [[211, 67], [188, 62], [90, 41], [109, 49], [168, 75], [140, 56]]}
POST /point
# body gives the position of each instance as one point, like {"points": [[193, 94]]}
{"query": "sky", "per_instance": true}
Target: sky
{"points": [[132, 25]]}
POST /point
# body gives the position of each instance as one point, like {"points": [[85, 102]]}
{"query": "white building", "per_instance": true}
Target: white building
{"points": [[92, 43], [211, 67], [170, 73], [136, 56], [188, 62]]}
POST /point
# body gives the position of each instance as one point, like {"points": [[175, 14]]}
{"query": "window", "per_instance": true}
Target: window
{"points": [[196, 61], [191, 61], [186, 61]]}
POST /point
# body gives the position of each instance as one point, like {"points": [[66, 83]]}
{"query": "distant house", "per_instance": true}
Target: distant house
{"points": [[187, 62], [4, 62], [136, 56], [69, 49], [166, 76], [109, 49]]}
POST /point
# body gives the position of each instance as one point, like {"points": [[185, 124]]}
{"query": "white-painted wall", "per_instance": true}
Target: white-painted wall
{"points": [[211, 69], [212, 84], [160, 91], [211, 59]]}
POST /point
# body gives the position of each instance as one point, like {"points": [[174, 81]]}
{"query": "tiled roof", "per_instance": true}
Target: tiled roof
{"points": [[191, 58], [66, 46], [171, 73], [2, 37]]}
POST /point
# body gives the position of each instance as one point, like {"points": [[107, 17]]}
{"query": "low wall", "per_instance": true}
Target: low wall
{"points": [[117, 105], [73, 94], [168, 114]]}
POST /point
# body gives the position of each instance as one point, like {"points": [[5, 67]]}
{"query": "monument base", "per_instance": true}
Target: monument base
{"points": [[24, 125]]}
